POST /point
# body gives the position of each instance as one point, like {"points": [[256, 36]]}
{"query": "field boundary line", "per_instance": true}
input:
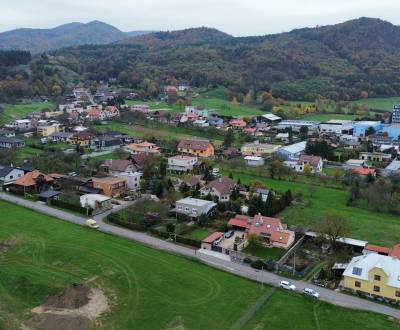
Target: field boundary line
{"points": [[239, 324]]}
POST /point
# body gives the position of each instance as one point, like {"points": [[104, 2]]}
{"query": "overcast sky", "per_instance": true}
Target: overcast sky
{"points": [[237, 17]]}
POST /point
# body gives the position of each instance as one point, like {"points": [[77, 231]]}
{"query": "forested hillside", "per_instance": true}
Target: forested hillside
{"points": [[354, 59]]}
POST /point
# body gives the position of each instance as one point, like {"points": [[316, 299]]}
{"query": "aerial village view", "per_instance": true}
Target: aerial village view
{"points": [[195, 179]]}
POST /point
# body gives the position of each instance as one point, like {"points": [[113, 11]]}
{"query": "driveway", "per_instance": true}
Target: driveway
{"points": [[330, 296]]}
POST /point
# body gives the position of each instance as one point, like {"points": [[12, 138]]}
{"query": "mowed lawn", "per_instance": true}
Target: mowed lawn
{"points": [[12, 112], [147, 289], [377, 228]]}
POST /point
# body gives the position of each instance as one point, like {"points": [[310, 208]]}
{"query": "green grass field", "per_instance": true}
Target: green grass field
{"points": [[377, 228], [379, 103], [12, 112], [148, 289], [163, 132]]}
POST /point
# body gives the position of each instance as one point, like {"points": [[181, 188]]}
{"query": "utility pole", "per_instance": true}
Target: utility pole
{"points": [[294, 263]]}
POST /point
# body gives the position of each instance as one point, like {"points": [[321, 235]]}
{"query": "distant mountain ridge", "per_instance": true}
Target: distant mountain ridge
{"points": [[71, 34], [345, 61]]}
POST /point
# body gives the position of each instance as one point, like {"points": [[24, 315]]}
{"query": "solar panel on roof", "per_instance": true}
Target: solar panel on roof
{"points": [[357, 271]]}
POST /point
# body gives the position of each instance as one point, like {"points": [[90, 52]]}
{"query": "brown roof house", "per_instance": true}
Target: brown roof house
{"points": [[117, 166], [221, 188], [32, 182], [111, 186]]}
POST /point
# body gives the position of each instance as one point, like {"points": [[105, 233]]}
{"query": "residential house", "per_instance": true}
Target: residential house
{"points": [[238, 123], [362, 171], [7, 132], [200, 148], [182, 163], [11, 143], [293, 151], [32, 182], [61, 137], [271, 230], [375, 156], [111, 186], [193, 207], [263, 193], [259, 149], [8, 175], [221, 188], [47, 130], [22, 125], [396, 114], [142, 148], [82, 138], [349, 141], [214, 120], [315, 162], [231, 153], [375, 275], [97, 202], [254, 161], [118, 166], [105, 143], [193, 182]]}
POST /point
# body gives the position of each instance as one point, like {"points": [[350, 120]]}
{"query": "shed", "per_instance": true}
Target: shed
{"points": [[48, 195]]}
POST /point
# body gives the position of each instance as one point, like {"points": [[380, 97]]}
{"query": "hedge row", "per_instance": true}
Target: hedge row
{"points": [[179, 239], [71, 207], [115, 219]]}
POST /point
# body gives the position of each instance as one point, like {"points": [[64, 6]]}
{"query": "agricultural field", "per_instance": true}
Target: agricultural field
{"points": [[379, 103], [41, 256], [12, 112], [377, 228], [161, 131]]}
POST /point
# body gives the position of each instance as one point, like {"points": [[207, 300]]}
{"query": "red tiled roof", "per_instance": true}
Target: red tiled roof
{"points": [[30, 178], [363, 171], [395, 252], [212, 238], [378, 249], [312, 160], [238, 222]]}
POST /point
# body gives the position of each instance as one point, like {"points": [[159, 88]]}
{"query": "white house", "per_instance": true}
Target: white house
{"points": [[8, 174], [181, 163], [254, 161], [96, 202], [315, 162], [22, 125], [132, 178], [194, 207]]}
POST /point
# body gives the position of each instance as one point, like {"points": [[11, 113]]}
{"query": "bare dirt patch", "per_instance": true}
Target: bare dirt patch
{"points": [[75, 308], [8, 244]]}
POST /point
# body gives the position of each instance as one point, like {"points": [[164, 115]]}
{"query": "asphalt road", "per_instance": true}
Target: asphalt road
{"points": [[330, 296]]}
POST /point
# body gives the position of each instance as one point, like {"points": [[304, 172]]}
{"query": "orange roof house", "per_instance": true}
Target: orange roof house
{"points": [[111, 186], [143, 148], [238, 123], [32, 182], [201, 148], [363, 171], [270, 229]]}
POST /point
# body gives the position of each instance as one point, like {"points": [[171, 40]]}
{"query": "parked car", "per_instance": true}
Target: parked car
{"points": [[287, 285], [311, 293], [229, 234], [92, 224]]}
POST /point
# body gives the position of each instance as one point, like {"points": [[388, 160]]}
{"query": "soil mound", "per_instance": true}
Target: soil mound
{"points": [[75, 296]]}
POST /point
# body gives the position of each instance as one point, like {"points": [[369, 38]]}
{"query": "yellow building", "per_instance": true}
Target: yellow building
{"points": [[258, 149], [47, 130], [201, 148], [374, 274]]}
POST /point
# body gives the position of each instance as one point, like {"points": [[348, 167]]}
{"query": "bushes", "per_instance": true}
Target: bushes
{"points": [[116, 219], [71, 207], [179, 239]]}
